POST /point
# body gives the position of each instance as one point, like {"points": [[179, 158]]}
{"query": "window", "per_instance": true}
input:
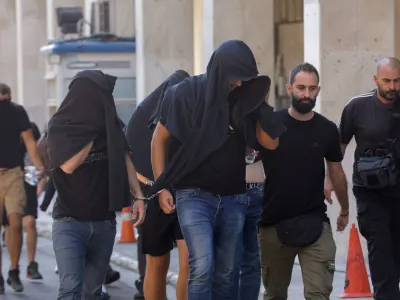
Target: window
{"points": [[125, 111], [125, 88]]}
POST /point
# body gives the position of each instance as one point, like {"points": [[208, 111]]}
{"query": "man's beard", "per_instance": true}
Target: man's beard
{"points": [[303, 105], [389, 95]]}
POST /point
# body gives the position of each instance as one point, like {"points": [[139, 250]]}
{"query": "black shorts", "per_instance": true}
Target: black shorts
{"points": [[31, 208], [160, 231], [31, 204]]}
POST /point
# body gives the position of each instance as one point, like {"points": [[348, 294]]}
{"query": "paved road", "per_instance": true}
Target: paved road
{"points": [[47, 288]]}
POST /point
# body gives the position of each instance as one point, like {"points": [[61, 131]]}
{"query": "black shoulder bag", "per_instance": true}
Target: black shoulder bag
{"points": [[377, 166]]}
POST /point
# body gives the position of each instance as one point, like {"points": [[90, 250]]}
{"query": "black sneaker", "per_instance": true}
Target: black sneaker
{"points": [[14, 282], [139, 286], [138, 296], [1, 284], [111, 276], [32, 271]]}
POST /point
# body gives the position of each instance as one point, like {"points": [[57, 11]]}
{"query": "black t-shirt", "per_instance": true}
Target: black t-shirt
{"points": [[223, 172], [84, 194], [295, 171], [13, 121], [368, 120]]}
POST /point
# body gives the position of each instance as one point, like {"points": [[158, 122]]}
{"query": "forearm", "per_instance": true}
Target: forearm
{"points": [[340, 187], [74, 162], [34, 155], [158, 157], [133, 181]]}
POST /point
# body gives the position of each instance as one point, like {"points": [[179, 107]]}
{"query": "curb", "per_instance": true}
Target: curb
{"points": [[44, 231]]}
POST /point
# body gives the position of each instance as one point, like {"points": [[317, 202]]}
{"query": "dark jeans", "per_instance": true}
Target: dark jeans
{"points": [[379, 223], [249, 275], [83, 251], [212, 226]]}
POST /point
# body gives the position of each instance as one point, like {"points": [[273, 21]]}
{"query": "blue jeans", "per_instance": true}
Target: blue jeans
{"points": [[83, 251], [212, 226], [249, 268]]}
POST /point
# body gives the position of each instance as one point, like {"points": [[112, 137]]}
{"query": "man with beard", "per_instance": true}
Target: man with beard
{"points": [[372, 119], [294, 221], [206, 122], [159, 231]]}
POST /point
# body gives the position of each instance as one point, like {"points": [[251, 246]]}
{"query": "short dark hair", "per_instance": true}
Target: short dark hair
{"points": [[4, 89], [305, 67]]}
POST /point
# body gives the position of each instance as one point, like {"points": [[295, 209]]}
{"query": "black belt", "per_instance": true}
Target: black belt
{"points": [[253, 185]]}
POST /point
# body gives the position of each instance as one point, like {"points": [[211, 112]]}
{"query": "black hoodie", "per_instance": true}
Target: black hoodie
{"points": [[142, 123], [79, 121], [199, 114]]}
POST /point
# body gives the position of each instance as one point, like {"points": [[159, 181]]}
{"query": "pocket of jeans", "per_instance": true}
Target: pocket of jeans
{"points": [[243, 199], [181, 195]]}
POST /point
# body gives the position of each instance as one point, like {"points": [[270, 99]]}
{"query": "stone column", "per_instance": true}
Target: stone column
{"points": [[164, 35], [8, 49], [30, 37], [345, 40], [249, 20]]}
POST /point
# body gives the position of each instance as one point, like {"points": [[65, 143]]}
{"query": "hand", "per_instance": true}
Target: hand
{"points": [[328, 189], [139, 208], [342, 221], [166, 202], [40, 186]]}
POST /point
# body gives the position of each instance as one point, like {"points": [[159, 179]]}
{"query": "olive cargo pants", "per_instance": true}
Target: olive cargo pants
{"points": [[317, 263]]}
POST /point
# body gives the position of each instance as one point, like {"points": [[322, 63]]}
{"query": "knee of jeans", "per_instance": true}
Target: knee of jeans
{"points": [[201, 272], [70, 286]]}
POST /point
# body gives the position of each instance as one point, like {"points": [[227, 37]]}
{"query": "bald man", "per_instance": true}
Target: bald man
{"points": [[372, 120]]}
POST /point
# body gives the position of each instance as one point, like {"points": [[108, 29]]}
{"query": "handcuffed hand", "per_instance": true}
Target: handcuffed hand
{"points": [[138, 212], [166, 202]]}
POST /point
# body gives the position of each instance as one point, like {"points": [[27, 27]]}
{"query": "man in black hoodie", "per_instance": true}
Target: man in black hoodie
{"points": [[159, 231], [94, 177], [206, 122]]}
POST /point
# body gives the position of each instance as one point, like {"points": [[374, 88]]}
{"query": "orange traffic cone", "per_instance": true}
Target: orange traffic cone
{"points": [[127, 233], [356, 284]]}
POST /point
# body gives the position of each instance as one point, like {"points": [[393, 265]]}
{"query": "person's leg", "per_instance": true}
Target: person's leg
{"points": [[156, 234], [374, 219], [15, 203], [69, 243], [227, 239], [156, 276], [2, 211], [139, 283], [29, 223], [317, 263], [250, 268], [140, 255], [183, 276], [197, 212], [276, 264], [99, 249]]}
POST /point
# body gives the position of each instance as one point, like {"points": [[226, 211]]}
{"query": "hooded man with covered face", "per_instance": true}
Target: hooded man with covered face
{"points": [[94, 176], [206, 122], [159, 231]]}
